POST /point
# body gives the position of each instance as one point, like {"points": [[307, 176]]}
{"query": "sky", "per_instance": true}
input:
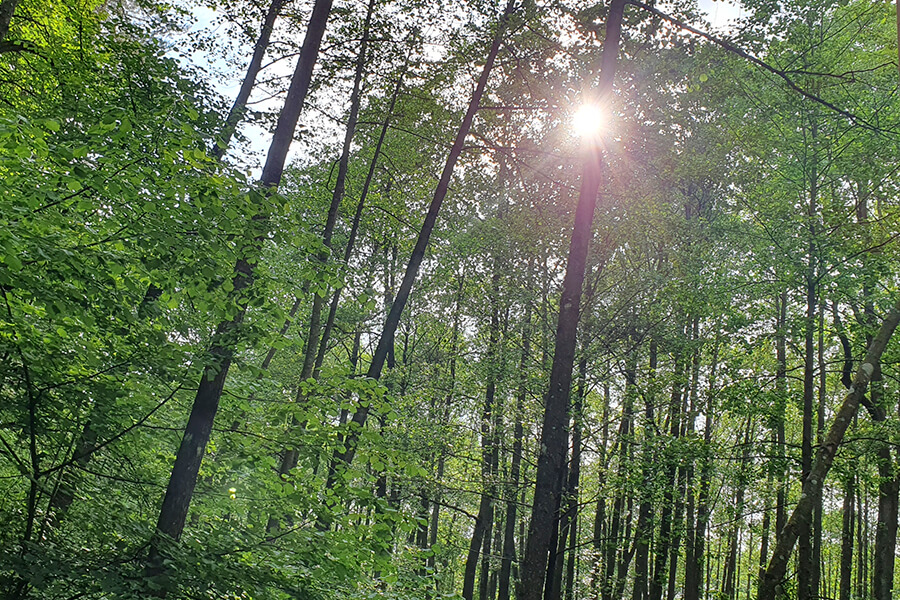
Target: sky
{"points": [[720, 13]]}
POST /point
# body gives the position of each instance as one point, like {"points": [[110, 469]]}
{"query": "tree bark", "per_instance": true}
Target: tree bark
{"points": [[848, 510], [489, 455], [357, 217], [660, 574], [553, 435], [7, 9], [290, 455]]}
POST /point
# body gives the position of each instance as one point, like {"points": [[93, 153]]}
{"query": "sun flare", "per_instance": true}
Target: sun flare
{"points": [[588, 121]]}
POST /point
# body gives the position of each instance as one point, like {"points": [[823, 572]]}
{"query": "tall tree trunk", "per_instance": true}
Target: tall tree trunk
{"points": [[660, 574], [599, 544], [693, 575], [346, 450], [847, 522], [781, 402], [509, 542], [454, 345], [886, 526], [616, 542], [7, 9], [239, 107], [811, 493], [180, 488], [644, 525], [574, 480], [553, 436], [64, 495], [357, 217], [731, 577], [290, 455], [481, 536]]}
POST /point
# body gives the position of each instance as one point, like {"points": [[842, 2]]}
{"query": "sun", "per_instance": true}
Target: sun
{"points": [[588, 121]]}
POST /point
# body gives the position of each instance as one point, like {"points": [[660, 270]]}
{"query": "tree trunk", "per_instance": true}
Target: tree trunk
{"points": [[665, 520], [173, 511], [648, 458], [574, 481], [290, 455], [346, 450], [357, 217], [599, 544], [7, 8], [812, 485], [553, 436], [886, 526], [509, 542], [236, 114], [781, 401], [731, 577], [489, 456], [848, 510]]}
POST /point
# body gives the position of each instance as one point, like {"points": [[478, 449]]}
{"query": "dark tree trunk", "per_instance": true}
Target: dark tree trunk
{"points": [[490, 415], [572, 504], [781, 400], [812, 486], [731, 576], [551, 459], [694, 569], [616, 541], [236, 114], [7, 8], [357, 217], [290, 455], [644, 528], [599, 547], [847, 523], [385, 342], [173, 511], [660, 574], [509, 542], [886, 526]]}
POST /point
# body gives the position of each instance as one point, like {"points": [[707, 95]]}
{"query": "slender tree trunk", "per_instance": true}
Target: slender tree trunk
{"points": [[357, 217], [812, 486], [660, 574], [572, 504], [509, 542], [693, 576], [236, 114], [731, 577], [781, 400], [696, 542], [599, 544], [553, 436], [173, 511], [886, 527], [347, 446], [63, 497], [290, 455], [847, 523], [644, 529], [481, 536], [616, 542]]}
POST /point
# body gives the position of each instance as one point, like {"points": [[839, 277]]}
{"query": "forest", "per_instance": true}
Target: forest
{"points": [[470, 299]]}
